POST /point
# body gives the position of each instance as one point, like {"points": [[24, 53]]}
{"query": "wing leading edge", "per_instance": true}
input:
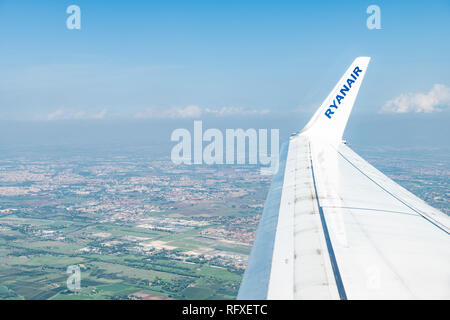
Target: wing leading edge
{"points": [[334, 227]]}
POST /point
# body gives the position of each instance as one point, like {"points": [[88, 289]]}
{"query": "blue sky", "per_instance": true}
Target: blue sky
{"points": [[155, 59]]}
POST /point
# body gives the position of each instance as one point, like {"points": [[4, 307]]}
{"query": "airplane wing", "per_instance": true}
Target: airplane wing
{"points": [[334, 227]]}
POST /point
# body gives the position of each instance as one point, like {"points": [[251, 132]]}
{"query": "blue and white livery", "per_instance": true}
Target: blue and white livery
{"points": [[334, 227]]}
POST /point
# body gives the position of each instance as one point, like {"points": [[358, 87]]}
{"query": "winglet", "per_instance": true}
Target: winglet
{"points": [[329, 121]]}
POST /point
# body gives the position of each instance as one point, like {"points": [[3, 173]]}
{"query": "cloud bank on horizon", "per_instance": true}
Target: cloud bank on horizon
{"points": [[435, 100], [194, 111], [63, 114], [188, 112]]}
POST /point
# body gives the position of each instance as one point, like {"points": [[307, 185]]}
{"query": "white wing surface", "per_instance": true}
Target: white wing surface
{"points": [[334, 227]]}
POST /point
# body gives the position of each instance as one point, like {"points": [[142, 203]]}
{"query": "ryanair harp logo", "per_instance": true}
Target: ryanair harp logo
{"points": [[343, 92]]}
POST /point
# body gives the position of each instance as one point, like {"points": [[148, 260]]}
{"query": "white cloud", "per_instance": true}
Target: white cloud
{"points": [[229, 111], [63, 114], [435, 100], [196, 112], [171, 113]]}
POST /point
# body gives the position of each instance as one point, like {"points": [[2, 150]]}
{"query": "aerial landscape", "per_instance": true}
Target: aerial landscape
{"points": [[137, 227], [140, 227]]}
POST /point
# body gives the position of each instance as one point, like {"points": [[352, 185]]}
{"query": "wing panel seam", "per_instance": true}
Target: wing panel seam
{"points": [[334, 265], [394, 196]]}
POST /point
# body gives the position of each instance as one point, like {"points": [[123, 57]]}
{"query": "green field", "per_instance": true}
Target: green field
{"points": [[33, 267]]}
